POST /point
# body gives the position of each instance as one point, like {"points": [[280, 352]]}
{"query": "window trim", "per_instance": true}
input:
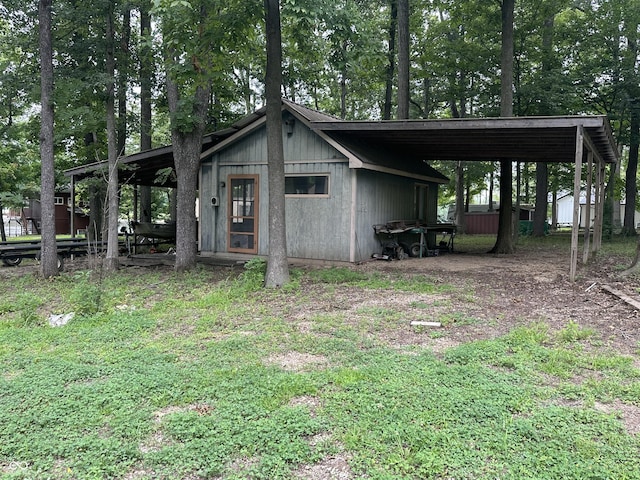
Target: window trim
{"points": [[309, 195], [58, 200]]}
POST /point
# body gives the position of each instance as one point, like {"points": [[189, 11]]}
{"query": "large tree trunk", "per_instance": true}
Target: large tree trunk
{"points": [[111, 262], [631, 182], [146, 71], [277, 267], [403, 59], [504, 241], [3, 233], [388, 94], [187, 147], [49, 253], [542, 169], [460, 202]]}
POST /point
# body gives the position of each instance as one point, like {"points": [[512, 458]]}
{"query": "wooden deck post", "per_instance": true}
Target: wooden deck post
{"points": [[587, 210], [599, 194], [577, 180]]}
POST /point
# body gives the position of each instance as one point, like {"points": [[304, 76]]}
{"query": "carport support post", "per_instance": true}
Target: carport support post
{"points": [[587, 209], [600, 192], [576, 202]]}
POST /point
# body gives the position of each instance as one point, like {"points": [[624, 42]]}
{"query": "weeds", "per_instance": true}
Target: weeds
{"points": [[174, 377]]}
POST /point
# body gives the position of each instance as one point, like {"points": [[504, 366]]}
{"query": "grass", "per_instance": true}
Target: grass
{"points": [[182, 376]]}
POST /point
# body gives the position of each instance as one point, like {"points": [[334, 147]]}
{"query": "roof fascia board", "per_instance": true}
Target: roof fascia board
{"points": [[354, 161], [464, 123], [233, 138], [401, 173]]}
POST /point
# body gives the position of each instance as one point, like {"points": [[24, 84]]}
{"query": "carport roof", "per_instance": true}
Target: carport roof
{"points": [[544, 139], [413, 142]]}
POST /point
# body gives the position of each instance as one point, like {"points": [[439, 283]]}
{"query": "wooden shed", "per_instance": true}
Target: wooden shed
{"points": [[334, 193]]}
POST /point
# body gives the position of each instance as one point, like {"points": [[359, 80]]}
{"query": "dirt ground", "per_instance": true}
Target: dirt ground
{"points": [[533, 285]]}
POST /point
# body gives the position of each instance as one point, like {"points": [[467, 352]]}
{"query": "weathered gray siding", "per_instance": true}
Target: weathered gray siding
{"points": [[382, 198], [317, 227]]}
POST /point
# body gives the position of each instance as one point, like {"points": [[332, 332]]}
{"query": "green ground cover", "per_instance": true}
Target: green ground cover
{"points": [[182, 376]]}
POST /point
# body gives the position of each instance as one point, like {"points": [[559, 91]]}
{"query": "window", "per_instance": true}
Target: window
{"points": [[317, 185], [58, 201]]}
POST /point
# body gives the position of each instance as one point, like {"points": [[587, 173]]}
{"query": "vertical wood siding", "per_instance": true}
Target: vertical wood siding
{"points": [[207, 210], [317, 227], [382, 198]]}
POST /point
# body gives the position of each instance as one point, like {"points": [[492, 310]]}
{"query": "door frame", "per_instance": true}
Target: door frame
{"points": [[231, 216]]}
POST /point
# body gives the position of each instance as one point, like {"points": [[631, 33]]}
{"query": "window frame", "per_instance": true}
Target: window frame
{"points": [[327, 176]]}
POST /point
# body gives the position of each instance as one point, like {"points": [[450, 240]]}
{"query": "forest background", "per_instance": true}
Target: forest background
{"points": [[339, 56]]}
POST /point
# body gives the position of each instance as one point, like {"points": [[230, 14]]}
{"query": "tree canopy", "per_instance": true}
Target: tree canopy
{"points": [[570, 57]]}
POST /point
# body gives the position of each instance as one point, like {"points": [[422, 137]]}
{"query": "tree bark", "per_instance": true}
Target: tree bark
{"points": [[504, 241], [146, 70], [403, 59], [187, 147], [277, 267], [631, 181], [540, 213], [460, 203], [388, 94], [124, 62], [111, 262], [3, 233], [542, 169], [48, 252]]}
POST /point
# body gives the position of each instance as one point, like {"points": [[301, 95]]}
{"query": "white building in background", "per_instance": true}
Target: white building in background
{"points": [[564, 208]]}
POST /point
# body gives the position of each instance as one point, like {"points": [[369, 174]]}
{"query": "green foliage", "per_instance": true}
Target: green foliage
{"points": [[253, 276], [86, 297]]}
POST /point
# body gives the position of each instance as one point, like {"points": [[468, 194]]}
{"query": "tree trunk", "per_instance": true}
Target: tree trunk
{"points": [[542, 169], [3, 233], [504, 241], [146, 71], [491, 182], [111, 262], [388, 94], [123, 77], [403, 59], [631, 182], [277, 267], [48, 252], [187, 147]]}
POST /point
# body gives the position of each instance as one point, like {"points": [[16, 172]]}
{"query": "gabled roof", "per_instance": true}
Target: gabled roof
{"points": [[381, 159]]}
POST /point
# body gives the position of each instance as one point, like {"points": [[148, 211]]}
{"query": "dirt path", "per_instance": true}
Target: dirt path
{"points": [[533, 286]]}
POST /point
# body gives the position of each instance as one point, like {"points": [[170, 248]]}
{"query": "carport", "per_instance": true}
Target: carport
{"points": [[585, 141]]}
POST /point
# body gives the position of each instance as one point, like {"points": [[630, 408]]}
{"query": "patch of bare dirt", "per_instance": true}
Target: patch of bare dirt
{"points": [[496, 293], [296, 361]]}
